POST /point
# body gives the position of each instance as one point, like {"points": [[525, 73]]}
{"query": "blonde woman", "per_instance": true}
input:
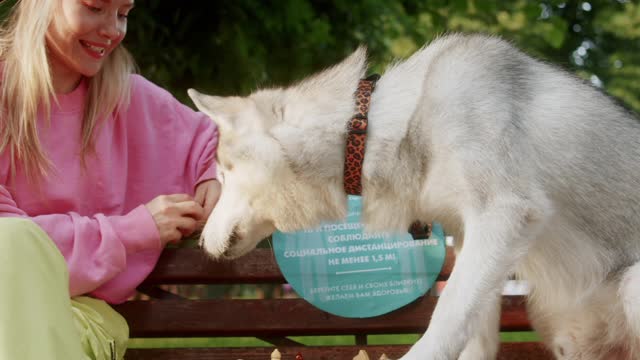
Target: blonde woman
{"points": [[99, 170]]}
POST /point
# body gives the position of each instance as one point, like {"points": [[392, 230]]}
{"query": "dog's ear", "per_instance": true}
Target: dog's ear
{"points": [[216, 107], [350, 69], [337, 82]]}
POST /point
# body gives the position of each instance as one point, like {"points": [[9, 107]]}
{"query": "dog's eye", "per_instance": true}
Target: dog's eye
{"points": [[278, 112]]}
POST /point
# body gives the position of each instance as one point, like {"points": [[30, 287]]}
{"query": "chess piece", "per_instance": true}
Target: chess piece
{"points": [[362, 355], [275, 355]]}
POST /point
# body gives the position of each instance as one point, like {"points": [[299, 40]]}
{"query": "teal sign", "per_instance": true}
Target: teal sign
{"points": [[343, 270]]}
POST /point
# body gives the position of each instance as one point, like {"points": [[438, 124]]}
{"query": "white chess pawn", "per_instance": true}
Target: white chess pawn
{"points": [[362, 355], [275, 355]]}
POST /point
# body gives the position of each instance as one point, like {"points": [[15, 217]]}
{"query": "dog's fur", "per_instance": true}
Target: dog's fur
{"points": [[537, 172]]}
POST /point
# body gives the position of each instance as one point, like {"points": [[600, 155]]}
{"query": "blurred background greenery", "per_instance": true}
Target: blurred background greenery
{"points": [[234, 46]]}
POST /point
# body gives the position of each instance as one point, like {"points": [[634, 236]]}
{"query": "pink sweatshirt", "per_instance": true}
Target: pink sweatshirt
{"points": [[96, 215]]}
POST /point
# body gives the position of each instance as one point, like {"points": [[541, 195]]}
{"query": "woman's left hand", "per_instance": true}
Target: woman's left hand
{"points": [[207, 195]]}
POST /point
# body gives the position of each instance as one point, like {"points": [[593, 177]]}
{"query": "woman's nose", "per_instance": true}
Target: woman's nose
{"points": [[112, 29]]}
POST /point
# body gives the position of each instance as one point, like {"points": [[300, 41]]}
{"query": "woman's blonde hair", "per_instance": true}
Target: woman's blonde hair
{"points": [[26, 86]]}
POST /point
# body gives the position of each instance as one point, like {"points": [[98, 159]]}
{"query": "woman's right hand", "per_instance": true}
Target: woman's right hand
{"points": [[175, 215]]}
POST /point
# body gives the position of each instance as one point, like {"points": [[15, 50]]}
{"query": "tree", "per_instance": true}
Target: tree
{"points": [[233, 46]]}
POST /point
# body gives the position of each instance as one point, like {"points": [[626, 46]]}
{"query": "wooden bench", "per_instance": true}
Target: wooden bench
{"points": [[274, 320]]}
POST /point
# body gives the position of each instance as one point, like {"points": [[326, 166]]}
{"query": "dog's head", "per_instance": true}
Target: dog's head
{"points": [[279, 157]]}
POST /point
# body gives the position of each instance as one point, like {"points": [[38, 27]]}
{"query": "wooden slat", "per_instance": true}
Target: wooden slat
{"points": [[157, 293], [508, 351], [193, 266], [283, 317]]}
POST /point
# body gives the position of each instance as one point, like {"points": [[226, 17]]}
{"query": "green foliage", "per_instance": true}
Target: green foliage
{"points": [[234, 46]]}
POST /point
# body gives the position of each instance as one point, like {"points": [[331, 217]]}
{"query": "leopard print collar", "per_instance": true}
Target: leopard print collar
{"points": [[354, 154], [357, 136]]}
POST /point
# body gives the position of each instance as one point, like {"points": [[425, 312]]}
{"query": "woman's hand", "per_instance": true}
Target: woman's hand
{"points": [[176, 216], [207, 195]]}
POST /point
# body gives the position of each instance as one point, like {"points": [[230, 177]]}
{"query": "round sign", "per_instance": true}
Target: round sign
{"points": [[343, 270]]}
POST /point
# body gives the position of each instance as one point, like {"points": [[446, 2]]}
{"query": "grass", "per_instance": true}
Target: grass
{"points": [[144, 343]]}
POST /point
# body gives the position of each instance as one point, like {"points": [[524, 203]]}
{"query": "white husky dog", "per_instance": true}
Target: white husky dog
{"points": [[535, 170]]}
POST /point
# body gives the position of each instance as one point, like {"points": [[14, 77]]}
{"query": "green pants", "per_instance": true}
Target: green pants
{"points": [[38, 320]]}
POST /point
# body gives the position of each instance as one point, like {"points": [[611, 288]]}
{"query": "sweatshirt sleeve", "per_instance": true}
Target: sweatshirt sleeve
{"points": [[95, 248], [193, 135]]}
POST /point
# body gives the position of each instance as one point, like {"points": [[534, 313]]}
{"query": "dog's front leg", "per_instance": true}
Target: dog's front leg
{"points": [[495, 239], [485, 331]]}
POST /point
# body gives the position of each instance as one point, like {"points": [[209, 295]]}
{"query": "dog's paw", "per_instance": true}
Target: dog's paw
{"points": [[409, 357], [476, 351], [469, 354]]}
